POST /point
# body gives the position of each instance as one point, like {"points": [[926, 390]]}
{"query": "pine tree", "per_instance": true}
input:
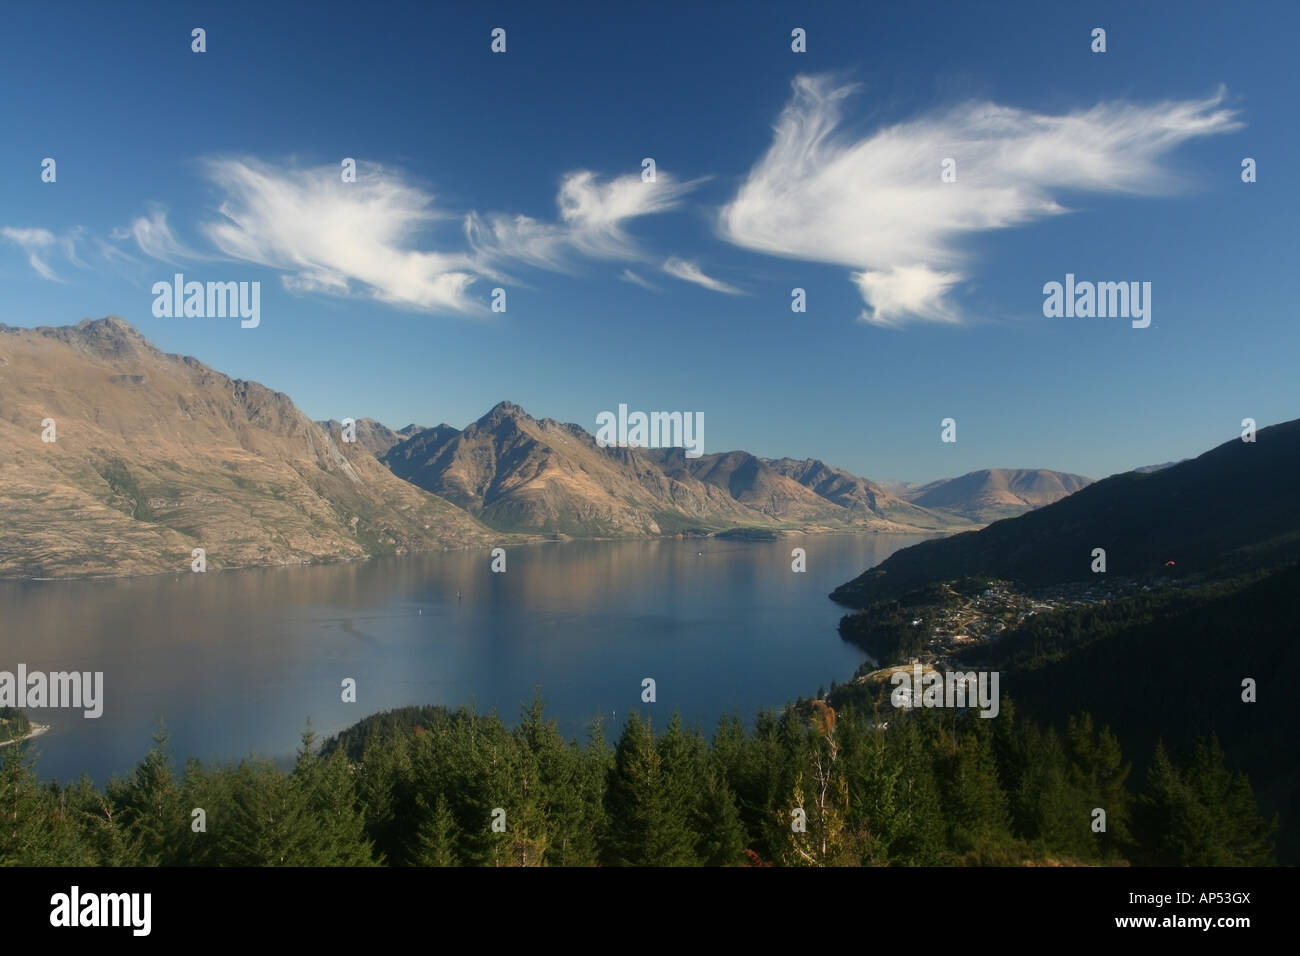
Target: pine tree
{"points": [[1046, 808], [1168, 818], [107, 840], [1244, 837], [36, 828], [682, 759], [644, 808], [748, 764], [566, 793], [1097, 775], [918, 834], [393, 770], [149, 803], [1199, 813], [596, 762], [725, 833], [21, 822], [333, 829], [209, 791], [527, 838], [722, 838], [877, 782], [632, 798], [763, 777], [509, 780], [973, 800], [435, 841], [262, 820], [272, 823]]}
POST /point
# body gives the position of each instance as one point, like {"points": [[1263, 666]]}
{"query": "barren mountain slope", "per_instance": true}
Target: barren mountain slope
{"points": [[158, 454]]}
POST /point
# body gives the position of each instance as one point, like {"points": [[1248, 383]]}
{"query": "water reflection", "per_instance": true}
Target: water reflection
{"points": [[237, 662]]}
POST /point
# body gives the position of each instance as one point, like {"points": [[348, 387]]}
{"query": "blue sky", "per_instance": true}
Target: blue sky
{"points": [[775, 170]]}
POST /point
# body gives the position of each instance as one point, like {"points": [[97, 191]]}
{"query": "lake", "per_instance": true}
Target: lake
{"points": [[236, 662]]}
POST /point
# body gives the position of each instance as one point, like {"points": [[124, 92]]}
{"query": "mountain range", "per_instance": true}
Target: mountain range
{"points": [[155, 455], [523, 474], [374, 436]]}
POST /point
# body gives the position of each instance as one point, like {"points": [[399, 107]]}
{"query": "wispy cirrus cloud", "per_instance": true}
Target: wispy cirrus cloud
{"points": [[496, 240], [155, 237], [367, 238], [37, 243], [596, 212], [690, 272], [41, 244], [592, 222], [877, 204], [326, 235], [111, 252], [629, 276]]}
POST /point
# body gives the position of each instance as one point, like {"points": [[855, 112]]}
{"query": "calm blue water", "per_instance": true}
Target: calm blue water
{"points": [[236, 662]]}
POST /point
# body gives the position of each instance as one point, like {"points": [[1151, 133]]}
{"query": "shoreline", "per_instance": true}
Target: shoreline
{"points": [[36, 731], [535, 540]]}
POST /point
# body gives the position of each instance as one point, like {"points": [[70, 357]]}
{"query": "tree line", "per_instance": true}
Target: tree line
{"points": [[435, 787]]}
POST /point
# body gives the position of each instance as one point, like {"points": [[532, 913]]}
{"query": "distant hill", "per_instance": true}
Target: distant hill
{"points": [[899, 488], [1232, 508], [854, 494], [995, 493], [157, 454], [519, 473], [375, 437], [418, 445]]}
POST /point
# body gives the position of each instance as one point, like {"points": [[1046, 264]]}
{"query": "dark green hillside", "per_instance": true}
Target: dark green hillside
{"points": [[1235, 507], [1169, 668]]}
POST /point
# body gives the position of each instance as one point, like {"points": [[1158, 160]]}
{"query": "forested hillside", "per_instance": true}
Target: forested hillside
{"points": [[426, 786], [1230, 510]]}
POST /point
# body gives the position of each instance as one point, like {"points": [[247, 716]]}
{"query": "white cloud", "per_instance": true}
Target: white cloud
{"points": [[690, 272], [877, 204], [630, 276], [365, 237], [328, 235], [329, 283], [112, 252], [69, 242], [35, 242], [39, 244], [29, 237], [497, 238], [593, 216], [904, 291], [595, 212], [155, 238]]}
